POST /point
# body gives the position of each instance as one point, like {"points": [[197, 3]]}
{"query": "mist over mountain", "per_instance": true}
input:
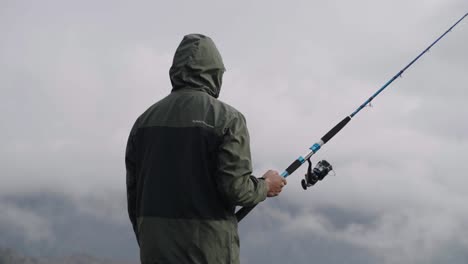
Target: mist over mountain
{"points": [[10, 256], [53, 224]]}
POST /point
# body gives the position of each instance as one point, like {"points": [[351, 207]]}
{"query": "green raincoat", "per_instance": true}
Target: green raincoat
{"points": [[188, 166]]}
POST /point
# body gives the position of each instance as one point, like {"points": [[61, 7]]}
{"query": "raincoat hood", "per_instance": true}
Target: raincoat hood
{"points": [[197, 65]]}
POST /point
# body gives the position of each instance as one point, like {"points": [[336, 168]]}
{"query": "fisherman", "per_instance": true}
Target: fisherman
{"points": [[188, 166]]}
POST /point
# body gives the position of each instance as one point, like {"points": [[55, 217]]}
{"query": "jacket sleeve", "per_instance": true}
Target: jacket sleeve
{"points": [[130, 164], [234, 170]]}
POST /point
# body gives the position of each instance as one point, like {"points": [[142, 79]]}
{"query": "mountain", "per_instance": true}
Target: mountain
{"points": [[9, 256], [57, 224]]}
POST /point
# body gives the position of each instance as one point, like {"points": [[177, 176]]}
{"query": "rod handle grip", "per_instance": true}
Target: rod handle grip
{"points": [[335, 129], [291, 168], [241, 213]]}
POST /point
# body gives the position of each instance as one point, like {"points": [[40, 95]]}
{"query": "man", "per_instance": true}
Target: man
{"points": [[188, 166]]}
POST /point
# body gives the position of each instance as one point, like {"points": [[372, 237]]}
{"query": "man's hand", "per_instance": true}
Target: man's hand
{"points": [[274, 182]]}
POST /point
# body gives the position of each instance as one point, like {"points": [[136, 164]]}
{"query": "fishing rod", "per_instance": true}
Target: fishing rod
{"points": [[323, 167]]}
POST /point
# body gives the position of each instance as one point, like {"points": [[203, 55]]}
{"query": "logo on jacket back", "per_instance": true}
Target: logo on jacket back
{"points": [[202, 122]]}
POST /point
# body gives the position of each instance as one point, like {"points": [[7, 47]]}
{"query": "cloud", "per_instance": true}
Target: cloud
{"points": [[403, 236], [28, 225], [54, 224]]}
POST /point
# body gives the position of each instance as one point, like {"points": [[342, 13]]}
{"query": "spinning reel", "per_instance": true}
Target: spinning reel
{"points": [[317, 174]]}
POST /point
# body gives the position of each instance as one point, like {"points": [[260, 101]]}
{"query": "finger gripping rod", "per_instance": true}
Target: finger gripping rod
{"points": [[241, 213]]}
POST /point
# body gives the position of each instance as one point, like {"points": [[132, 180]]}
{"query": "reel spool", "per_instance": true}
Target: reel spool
{"points": [[321, 170]]}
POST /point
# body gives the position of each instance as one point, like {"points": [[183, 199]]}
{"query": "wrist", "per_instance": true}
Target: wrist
{"points": [[266, 185], [267, 182]]}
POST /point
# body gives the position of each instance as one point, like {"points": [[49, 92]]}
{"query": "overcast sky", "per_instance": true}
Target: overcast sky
{"points": [[76, 74]]}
